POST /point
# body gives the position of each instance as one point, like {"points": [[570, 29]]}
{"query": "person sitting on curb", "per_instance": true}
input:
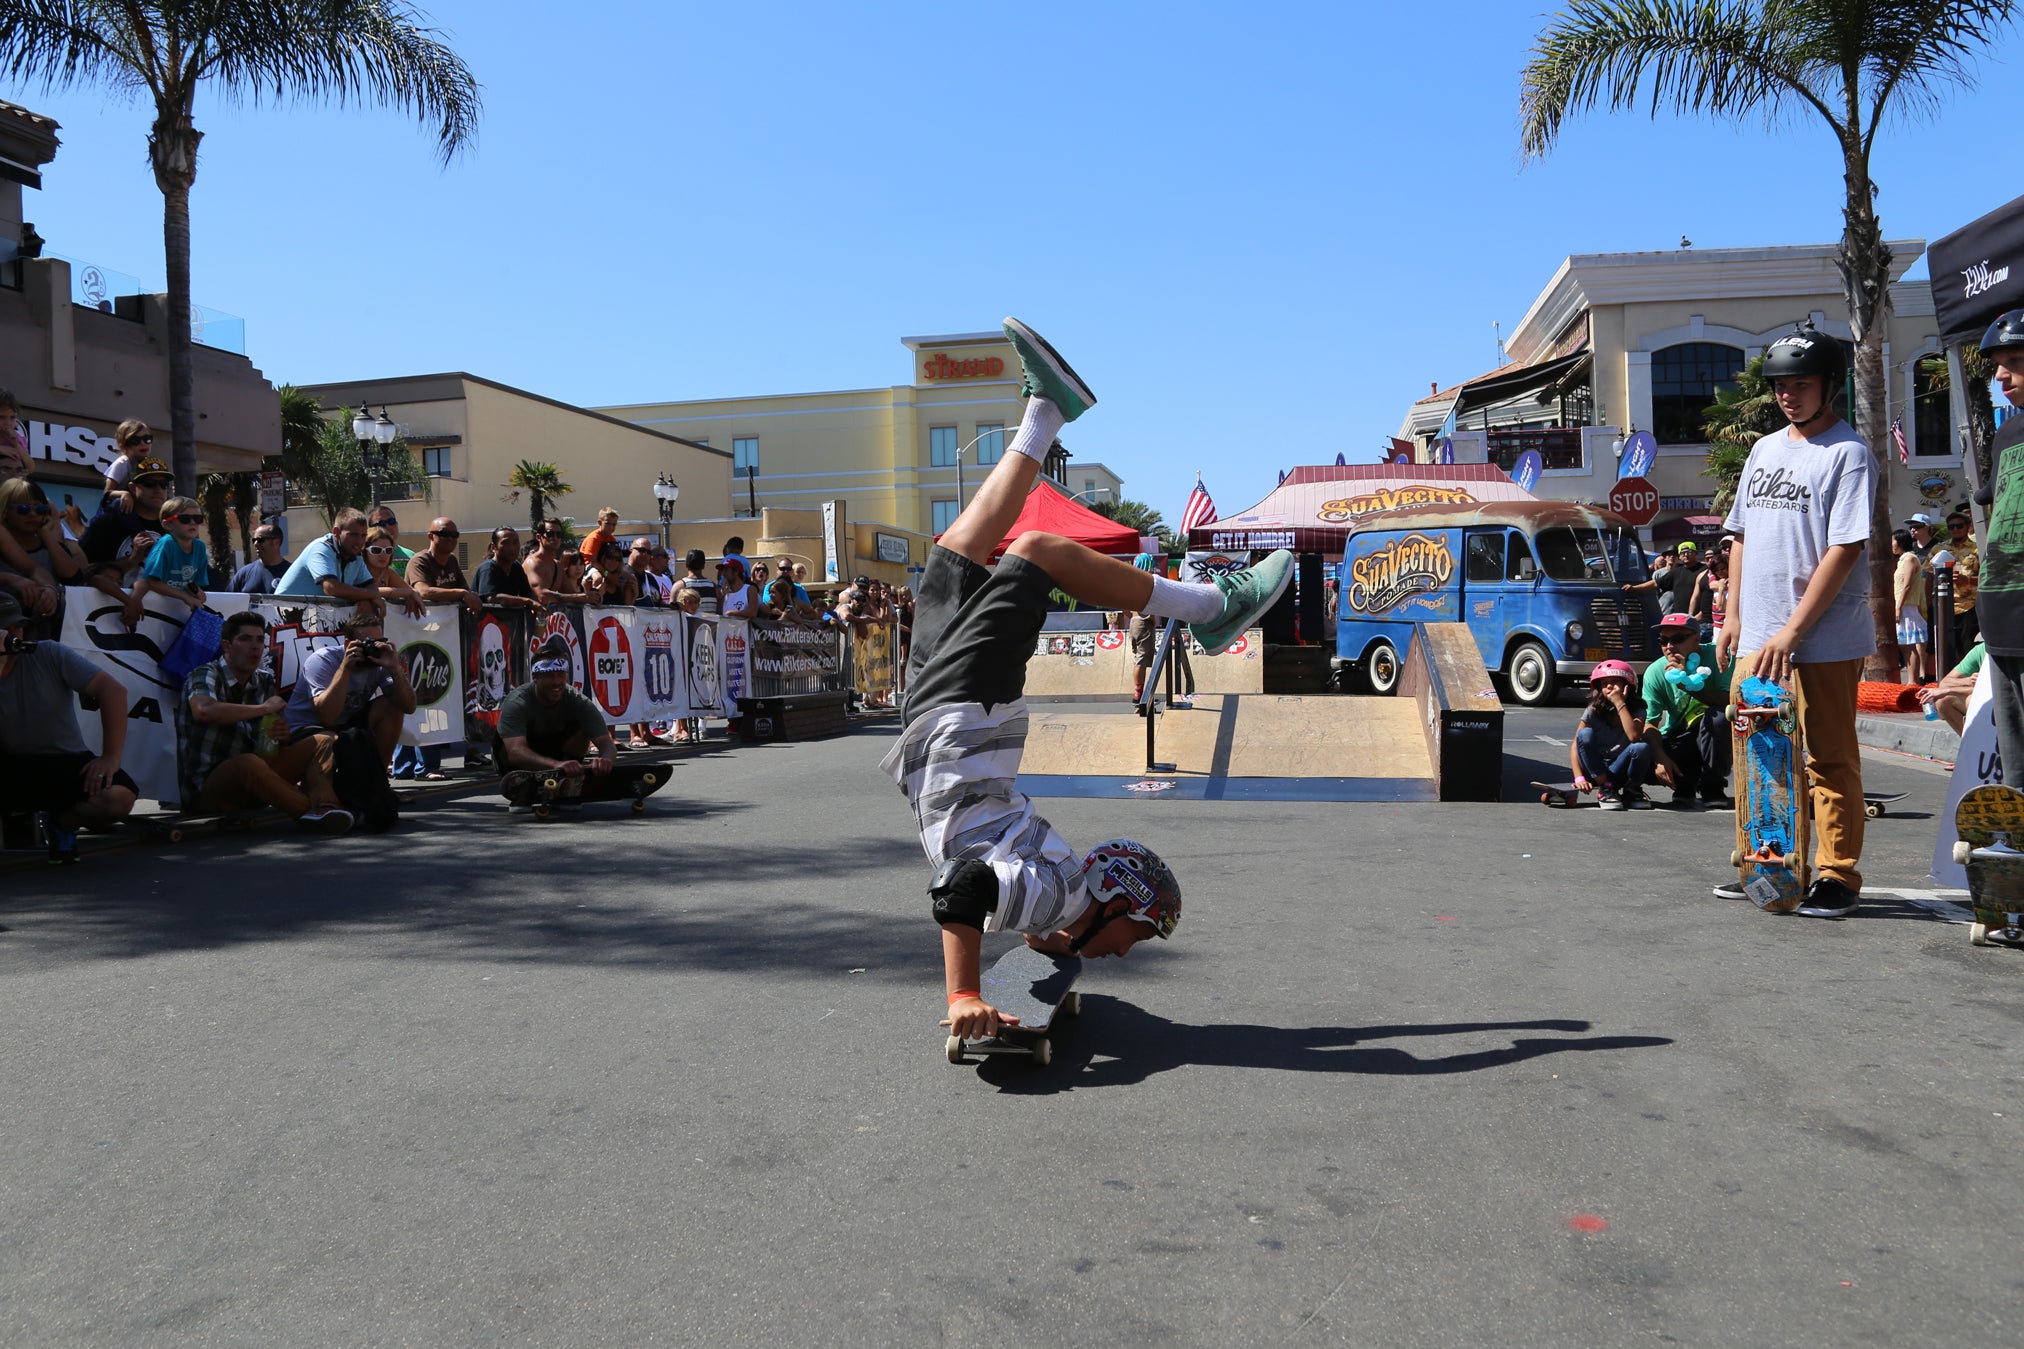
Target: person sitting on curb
{"points": [[219, 755], [1614, 754], [1950, 696], [547, 725], [44, 764], [1679, 693], [358, 683]]}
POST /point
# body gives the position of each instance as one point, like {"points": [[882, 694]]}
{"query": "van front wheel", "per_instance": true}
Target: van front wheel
{"points": [[1531, 675], [1381, 669]]}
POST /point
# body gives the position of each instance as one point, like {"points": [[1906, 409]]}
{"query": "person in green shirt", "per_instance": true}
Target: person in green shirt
{"points": [[1950, 695], [1694, 735]]}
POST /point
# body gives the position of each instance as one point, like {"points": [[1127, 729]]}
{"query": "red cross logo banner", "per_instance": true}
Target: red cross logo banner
{"points": [[611, 674]]}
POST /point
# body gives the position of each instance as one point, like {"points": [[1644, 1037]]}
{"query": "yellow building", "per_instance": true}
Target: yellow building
{"points": [[906, 456]]}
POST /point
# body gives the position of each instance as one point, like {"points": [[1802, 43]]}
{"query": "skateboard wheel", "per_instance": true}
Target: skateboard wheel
{"points": [[648, 779], [1962, 850], [1978, 934], [639, 807], [1873, 809], [1546, 798], [551, 784], [1072, 1004], [1043, 1052], [955, 1049], [1735, 858], [542, 812], [175, 836]]}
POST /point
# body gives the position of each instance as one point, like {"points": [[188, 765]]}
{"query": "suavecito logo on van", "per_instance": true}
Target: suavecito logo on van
{"points": [[1390, 499], [1413, 565]]}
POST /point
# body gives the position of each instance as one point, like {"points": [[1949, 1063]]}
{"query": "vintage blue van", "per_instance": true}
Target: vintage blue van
{"points": [[1540, 583]]}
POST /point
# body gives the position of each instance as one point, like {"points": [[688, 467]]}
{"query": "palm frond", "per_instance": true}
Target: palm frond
{"points": [[62, 44], [1919, 49]]}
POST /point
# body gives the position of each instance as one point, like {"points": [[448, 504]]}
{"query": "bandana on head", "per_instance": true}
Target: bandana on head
{"points": [[551, 667]]}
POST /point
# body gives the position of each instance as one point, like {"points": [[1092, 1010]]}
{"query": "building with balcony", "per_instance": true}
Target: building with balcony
{"points": [[908, 455], [1624, 342], [83, 349]]}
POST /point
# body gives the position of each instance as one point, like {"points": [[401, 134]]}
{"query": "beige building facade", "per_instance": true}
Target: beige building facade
{"points": [[82, 350], [907, 456], [469, 432], [1623, 342]]}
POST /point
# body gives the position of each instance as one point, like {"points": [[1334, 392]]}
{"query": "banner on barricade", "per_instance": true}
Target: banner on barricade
{"points": [[705, 665], [93, 627], [629, 661], [790, 658], [495, 662], [873, 649], [733, 640]]}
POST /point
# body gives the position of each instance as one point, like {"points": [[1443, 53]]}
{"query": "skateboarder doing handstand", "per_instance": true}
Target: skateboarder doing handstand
{"points": [[1000, 866]]}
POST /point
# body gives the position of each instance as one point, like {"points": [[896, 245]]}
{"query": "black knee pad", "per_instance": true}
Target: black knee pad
{"points": [[965, 893]]}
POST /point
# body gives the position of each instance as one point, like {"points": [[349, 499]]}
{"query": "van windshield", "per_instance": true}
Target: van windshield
{"points": [[1581, 553]]}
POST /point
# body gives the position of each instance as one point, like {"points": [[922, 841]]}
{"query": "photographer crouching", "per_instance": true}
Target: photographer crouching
{"points": [[44, 764]]}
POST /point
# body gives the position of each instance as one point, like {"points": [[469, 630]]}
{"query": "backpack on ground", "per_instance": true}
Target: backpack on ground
{"points": [[361, 780]]}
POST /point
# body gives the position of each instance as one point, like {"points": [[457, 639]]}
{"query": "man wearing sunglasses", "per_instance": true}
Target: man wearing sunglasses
{"points": [[126, 528], [264, 572], [1681, 694], [334, 566], [436, 574]]}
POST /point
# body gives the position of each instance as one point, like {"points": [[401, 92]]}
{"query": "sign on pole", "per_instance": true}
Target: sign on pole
{"points": [[832, 540], [1526, 471], [273, 495], [1640, 452], [1635, 499]]}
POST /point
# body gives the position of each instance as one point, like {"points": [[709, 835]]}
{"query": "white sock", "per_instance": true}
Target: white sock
{"points": [[1037, 429], [1189, 601]]}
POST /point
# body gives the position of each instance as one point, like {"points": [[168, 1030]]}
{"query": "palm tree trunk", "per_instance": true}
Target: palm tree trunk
{"points": [[1865, 276], [172, 148]]}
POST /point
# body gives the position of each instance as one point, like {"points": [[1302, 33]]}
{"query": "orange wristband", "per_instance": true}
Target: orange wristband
{"points": [[960, 994]]}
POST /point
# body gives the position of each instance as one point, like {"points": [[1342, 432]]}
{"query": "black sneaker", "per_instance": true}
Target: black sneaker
{"points": [[62, 846], [1730, 890], [1829, 898], [1717, 801]]}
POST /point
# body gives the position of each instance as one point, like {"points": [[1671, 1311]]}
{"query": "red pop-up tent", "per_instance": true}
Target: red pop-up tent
{"points": [[1050, 510]]}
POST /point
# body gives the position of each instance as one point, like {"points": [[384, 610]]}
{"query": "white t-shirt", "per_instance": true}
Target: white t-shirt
{"points": [[738, 602], [959, 766], [1795, 500], [119, 470]]}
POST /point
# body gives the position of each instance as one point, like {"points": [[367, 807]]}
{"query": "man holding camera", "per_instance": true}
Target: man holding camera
{"points": [[44, 764], [359, 683]]}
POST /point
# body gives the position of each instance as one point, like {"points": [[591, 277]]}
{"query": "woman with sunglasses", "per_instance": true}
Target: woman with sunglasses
{"points": [[33, 557], [386, 578]]}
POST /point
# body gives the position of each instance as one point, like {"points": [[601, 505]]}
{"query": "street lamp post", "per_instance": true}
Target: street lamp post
{"points": [[980, 436], [373, 435], [666, 494]]}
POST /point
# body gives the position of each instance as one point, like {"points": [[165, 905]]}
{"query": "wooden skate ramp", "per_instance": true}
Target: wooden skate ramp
{"points": [[1255, 747]]}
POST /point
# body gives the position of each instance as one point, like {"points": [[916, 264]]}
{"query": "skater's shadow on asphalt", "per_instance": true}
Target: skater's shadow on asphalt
{"points": [[1113, 1043]]}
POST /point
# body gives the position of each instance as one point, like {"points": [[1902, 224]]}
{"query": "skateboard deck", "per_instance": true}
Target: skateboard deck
{"points": [[1774, 835], [546, 790], [1033, 986], [1559, 795], [1873, 803], [181, 828], [1990, 822]]}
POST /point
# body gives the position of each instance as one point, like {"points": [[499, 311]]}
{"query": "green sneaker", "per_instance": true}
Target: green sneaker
{"points": [[1046, 374], [1246, 597]]}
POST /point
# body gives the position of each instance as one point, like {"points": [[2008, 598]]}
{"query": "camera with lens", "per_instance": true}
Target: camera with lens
{"points": [[372, 648], [10, 645]]}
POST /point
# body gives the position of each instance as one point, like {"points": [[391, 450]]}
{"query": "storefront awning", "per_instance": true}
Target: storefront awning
{"points": [[1504, 385], [1978, 273], [1314, 509]]}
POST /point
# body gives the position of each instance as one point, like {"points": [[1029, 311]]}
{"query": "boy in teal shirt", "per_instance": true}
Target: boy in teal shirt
{"points": [[180, 564], [1694, 735]]}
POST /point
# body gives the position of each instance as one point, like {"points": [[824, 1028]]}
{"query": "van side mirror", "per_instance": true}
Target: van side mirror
{"points": [[1527, 569]]}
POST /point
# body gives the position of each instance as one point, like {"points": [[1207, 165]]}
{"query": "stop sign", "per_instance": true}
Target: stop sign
{"points": [[1635, 499]]}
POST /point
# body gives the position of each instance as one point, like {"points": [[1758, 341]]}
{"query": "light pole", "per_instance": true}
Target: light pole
{"points": [[666, 494], [1089, 492], [373, 435], [981, 435]]}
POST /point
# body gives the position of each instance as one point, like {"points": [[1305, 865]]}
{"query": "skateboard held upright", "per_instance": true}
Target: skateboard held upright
{"points": [[1990, 821], [1774, 831]]}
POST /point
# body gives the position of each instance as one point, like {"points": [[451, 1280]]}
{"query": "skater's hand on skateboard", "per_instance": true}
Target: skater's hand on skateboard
{"points": [[1583, 785], [975, 1019], [572, 768], [601, 766], [1774, 658]]}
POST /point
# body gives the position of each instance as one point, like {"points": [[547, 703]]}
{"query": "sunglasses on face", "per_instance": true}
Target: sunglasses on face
{"points": [[379, 548], [1668, 638], [446, 534], [189, 519], [142, 440], [31, 508]]}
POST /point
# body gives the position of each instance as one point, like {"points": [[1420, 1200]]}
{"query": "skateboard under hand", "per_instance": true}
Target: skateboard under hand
{"points": [[545, 789], [1774, 834], [1990, 821], [1033, 986]]}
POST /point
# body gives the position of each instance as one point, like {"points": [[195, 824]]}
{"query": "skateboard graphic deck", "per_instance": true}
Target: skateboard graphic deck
{"points": [[1990, 822], [1774, 835], [545, 791], [1559, 795], [1033, 986]]}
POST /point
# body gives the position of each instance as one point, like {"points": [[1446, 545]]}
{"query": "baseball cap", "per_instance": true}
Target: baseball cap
{"points": [[1919, 518], [736, 560], [1679, 622], [153, 468], [860, 580]]}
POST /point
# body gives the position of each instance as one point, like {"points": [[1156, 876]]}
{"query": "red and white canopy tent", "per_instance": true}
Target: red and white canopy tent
{"points": [[1313, 510], [1050, 510]]}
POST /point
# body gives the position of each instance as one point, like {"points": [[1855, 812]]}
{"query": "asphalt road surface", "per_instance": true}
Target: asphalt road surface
{"points": [[1408, 1075]]}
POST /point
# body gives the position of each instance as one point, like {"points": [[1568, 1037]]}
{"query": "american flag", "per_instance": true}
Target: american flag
{"points": [[1897, 438], [1200, 509]]}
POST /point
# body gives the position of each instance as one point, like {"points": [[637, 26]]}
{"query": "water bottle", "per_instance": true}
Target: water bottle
{"points": [[1932, 710]]}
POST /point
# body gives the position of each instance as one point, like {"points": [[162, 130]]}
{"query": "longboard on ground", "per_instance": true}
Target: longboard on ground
{"points": [[1990, 822], [545, 790], [1033, 986], [1774, 834], [181, 828]]}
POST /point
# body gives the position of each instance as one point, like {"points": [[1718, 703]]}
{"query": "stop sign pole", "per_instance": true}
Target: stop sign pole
{"points": [[1636, 500]]}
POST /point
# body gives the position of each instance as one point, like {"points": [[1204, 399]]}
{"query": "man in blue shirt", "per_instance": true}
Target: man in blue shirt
{"points": [[259, 576], [334, 565]]}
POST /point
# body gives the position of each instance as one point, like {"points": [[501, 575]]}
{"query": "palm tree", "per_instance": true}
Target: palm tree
{"points": [[543, 484], [1139, 516], [1853, 62], [341, 50], [321, 460], [1743, 414]]}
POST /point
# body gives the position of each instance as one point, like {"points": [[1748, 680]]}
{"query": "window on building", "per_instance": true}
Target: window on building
{"points": [[1932, 415], [945, 515], [744, 455], [1684, 380], [942, 446], [436, 461], [990, 442], [1558, 446]]}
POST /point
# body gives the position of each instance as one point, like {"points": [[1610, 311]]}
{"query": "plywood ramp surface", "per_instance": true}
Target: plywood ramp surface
{"points": [[1250, 736]]}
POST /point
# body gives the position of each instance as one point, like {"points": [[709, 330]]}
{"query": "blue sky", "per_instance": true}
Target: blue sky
{"points": [[1259, 231]]}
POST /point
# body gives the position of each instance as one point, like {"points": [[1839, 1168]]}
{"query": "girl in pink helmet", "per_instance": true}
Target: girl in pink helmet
{"points": [[1612, 754]]}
